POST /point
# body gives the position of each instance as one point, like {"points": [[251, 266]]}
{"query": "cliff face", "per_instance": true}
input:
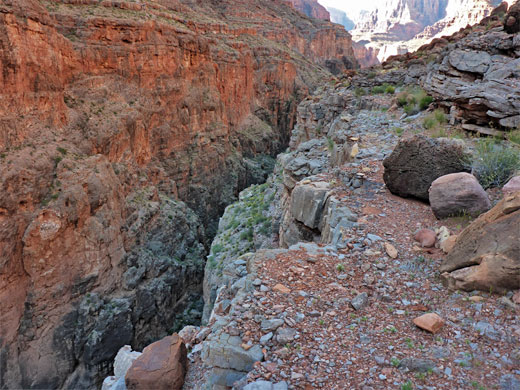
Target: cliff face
{"points": [[340, 17], [125, 130], [399, 26], [311, 8]]}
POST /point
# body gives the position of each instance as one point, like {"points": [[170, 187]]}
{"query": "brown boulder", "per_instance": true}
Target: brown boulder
{"points": [[486, 255], [162, 366], [430, 322], [417, 161], [426, 238], [512, 185], [458, 193], [512, 19]]}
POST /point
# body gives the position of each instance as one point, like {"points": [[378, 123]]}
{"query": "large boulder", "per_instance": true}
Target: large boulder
{"points": [[512, 19], [486, 255], [456, 194], [162, 366], [512, 185], [417, 161]]}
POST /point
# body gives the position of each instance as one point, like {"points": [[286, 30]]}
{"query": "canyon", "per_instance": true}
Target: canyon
{"points": [[126, 129], [401, 26], [220, 185]]}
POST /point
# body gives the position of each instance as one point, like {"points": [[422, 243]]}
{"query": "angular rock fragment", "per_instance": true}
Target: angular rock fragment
{"points": [[430, 322], [162, 366], [426, 238]]}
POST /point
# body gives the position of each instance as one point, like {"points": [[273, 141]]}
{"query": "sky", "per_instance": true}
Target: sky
{"points": [[351, 7]]}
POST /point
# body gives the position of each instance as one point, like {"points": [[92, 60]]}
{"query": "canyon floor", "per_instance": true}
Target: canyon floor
{"points": [[343, 318]]}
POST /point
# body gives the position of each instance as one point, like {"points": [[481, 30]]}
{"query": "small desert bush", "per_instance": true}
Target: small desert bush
{"points": [[414, 100], [434, 119], [514, 136], [385, 88], [494, 163], [360, 92]]}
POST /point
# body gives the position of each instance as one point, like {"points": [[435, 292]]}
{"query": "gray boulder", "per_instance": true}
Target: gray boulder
{"points": [[417, 161]]}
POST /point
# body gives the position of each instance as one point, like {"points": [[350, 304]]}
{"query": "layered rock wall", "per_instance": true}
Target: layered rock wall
{"points": [[126, 129]]}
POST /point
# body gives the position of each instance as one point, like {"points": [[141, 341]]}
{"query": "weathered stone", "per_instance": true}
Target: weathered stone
{"points": [[123, 360], [285, 335], [266, 385], [512, 19], [162, 366], [430, 322], [226, 352], [273, 324], [448, 244], [360, 301], [307, 201], [512, 185], [281, 289], [390, 250], [426, 238], [470, 61], [417, 161], [417, 364], [456, 194], [486, 255]]}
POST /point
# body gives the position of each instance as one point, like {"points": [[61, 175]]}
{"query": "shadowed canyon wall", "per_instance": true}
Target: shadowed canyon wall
{"points": [[125, 129]]}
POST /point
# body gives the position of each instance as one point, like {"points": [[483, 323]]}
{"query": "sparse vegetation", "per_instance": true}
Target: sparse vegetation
{"points": [[414, 100], [407, 386], [384, 88], [360, 92], [495, 163], [514, 136]]}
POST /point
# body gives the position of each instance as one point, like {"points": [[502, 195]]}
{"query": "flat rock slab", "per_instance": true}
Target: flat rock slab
{"points": [[430, 322]]}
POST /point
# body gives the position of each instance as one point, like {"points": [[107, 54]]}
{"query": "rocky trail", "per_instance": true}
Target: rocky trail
{"points": [[336, 310]]}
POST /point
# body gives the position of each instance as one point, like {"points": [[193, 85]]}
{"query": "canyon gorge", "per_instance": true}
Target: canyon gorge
{"points": [[401, 26], [126, 128], [215, 195]]}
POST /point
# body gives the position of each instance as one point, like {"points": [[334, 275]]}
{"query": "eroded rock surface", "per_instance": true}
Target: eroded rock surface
{"points": [[486, 255], [122, 140], [456, 194], [417, 161]]}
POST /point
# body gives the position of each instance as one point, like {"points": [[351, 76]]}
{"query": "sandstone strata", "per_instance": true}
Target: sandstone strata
{"points": [[122, 140], [486, 255]]}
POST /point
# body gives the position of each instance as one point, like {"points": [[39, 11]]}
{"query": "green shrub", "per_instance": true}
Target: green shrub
{"points": [[414, 100], [424, 102], [407, 386], [360, 92], [402, 99], [494, 164], [410, 109], [378, 90], [429, 122], [330, 144], [399, 131], [390, 90], [514, 136], [434, 119], [440, 116]]}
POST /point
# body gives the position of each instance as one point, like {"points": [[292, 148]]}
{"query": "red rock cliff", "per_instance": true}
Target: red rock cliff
{"points": [[112, 115]]}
